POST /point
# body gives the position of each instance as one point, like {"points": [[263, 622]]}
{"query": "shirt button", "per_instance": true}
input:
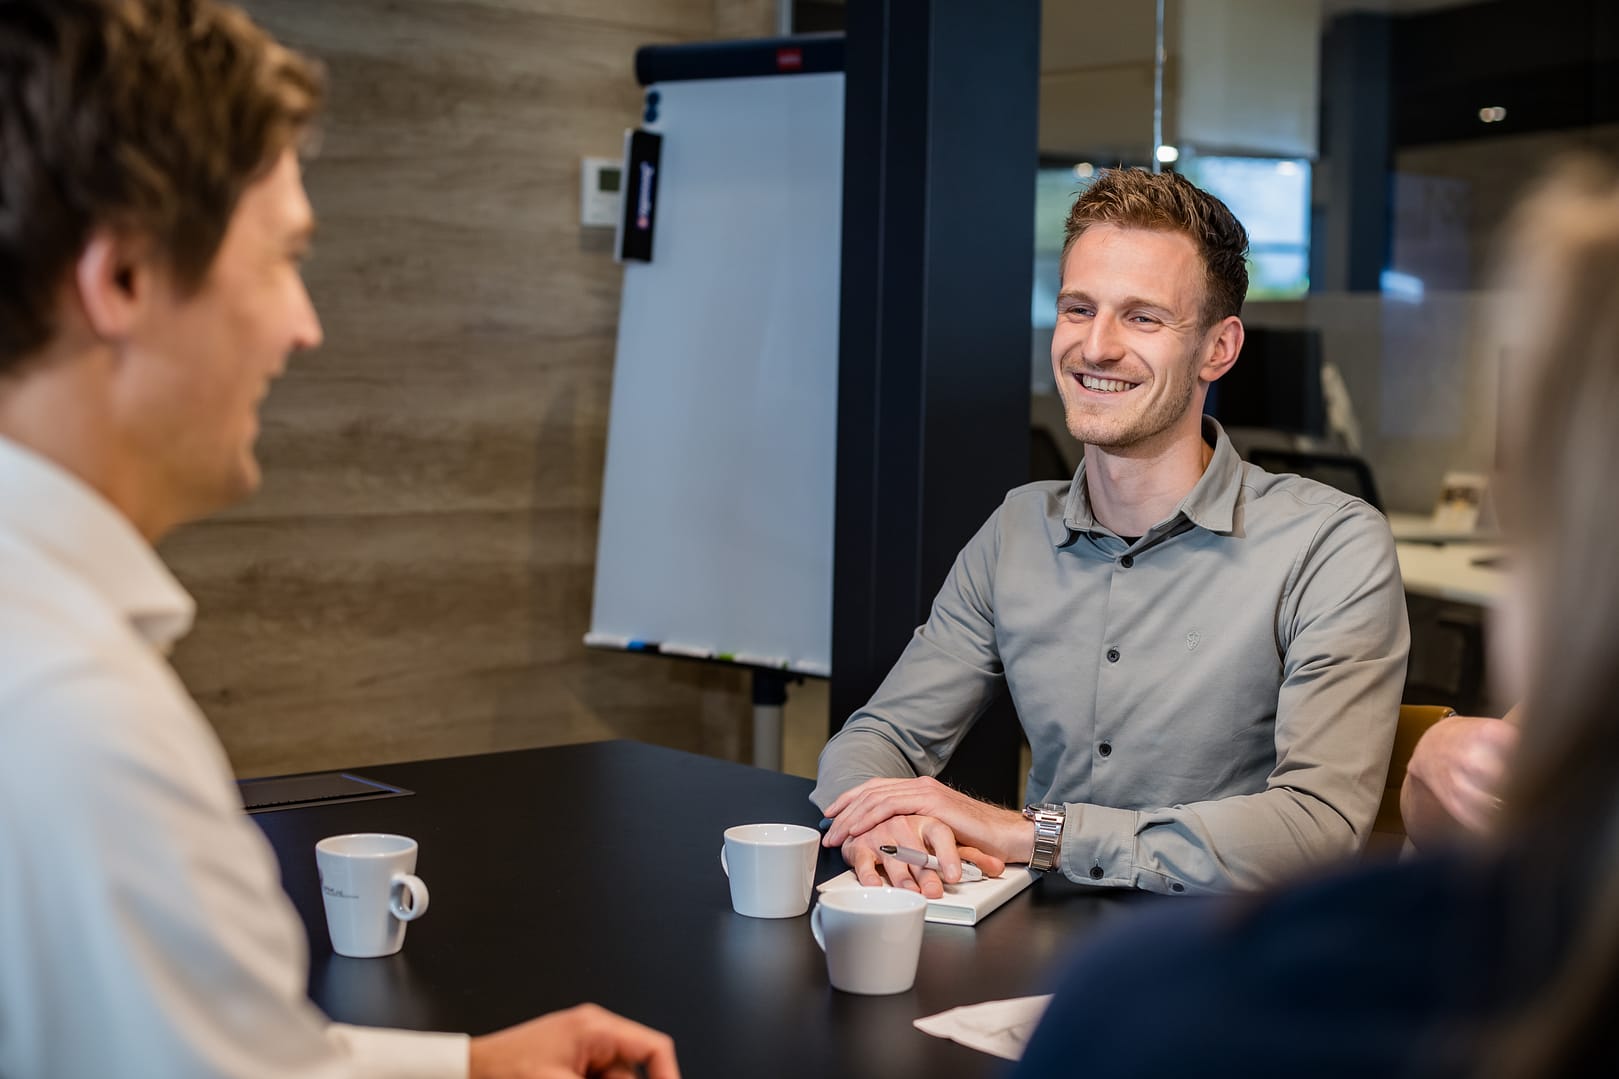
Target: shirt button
{"points": [[1127, 561], [1096, 872], [1105, 749], [1177, 887], [1112, 655]]}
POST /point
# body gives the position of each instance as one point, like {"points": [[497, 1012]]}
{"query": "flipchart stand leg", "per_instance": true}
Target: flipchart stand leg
{"points": [[769, 699]]}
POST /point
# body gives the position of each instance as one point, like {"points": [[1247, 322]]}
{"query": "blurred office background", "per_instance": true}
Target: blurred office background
{"points": [[414, 579]]}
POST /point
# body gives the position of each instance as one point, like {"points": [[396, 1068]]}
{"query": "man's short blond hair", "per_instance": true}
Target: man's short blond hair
{"points": [[1168, 202]]}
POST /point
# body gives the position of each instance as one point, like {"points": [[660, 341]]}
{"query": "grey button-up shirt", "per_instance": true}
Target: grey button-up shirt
{"points": [[1215, 702]]}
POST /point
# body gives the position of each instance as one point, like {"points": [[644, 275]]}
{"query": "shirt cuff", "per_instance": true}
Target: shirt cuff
{"points": [[402, 1054], [1099, 845]]}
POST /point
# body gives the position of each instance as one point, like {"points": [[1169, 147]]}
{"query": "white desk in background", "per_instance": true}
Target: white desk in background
{"points": [[1441, 563], [1449, 571], [1420, 528]]}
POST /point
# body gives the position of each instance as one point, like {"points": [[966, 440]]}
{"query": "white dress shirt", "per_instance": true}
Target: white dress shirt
{"points": [[143, 928]]}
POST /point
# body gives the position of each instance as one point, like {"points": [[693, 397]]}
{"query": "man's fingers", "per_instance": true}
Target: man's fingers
{"points": [[871, 803], [611, 1041], [863, 860], [913, 878], [942, 842], [991, 865], [871, 811], [898, 873]]}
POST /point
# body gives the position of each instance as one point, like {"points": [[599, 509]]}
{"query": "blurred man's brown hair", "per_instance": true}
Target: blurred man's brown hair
{"points": [[146, 116]]}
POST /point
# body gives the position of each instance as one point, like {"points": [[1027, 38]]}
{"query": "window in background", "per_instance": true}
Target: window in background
{"points": [[1271, 198], [1055, 188]]}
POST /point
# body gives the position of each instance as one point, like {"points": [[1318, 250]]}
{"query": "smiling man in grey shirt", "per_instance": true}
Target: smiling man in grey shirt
{"points": [[1207, 659]]}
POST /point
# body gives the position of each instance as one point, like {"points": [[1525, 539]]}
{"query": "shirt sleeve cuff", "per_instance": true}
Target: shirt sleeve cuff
{"points": [[402, 1054], [1099, 845]]}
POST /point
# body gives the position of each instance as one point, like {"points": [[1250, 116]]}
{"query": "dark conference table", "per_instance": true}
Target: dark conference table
{"points": [[591, 872]]}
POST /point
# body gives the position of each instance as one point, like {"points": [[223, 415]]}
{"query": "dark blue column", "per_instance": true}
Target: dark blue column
{"points": [[940, 154], [1352, 234]]}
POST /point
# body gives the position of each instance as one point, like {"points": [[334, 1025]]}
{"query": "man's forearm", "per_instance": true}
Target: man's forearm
{"points": [[854, 755], [1229, 844]]}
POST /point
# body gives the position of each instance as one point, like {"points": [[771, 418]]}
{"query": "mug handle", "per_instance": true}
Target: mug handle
{"points": [[402, 884], [816, 928], [723, 863]]}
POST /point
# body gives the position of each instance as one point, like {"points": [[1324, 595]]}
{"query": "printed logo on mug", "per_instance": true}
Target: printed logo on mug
{"points": [[772, 868], [369, 886]]}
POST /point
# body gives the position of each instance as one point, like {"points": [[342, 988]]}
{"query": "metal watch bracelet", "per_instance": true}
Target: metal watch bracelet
{"points": [[1048, 821]]}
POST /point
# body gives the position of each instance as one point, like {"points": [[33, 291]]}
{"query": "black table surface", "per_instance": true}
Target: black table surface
{"points": [[591, 872]]}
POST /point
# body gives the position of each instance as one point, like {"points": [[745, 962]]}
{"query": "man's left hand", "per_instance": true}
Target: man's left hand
{"points": [[992, 829]]}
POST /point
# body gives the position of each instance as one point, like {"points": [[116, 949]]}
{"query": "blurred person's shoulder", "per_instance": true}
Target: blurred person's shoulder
{"points": [[1349, 975]]}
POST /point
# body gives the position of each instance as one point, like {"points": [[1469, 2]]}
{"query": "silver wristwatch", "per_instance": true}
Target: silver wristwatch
{"points": [[1048, 821]]}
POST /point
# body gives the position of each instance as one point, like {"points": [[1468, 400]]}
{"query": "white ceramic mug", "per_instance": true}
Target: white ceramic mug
{"points": [[872, 938], [772, 868], [368, 882]]}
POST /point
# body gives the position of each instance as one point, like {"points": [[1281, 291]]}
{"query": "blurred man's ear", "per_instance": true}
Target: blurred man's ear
{"points": [[113, 279], [1227, 344]]}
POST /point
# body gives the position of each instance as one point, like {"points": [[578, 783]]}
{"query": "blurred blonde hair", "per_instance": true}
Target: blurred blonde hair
{"points": [[1559, 314]]}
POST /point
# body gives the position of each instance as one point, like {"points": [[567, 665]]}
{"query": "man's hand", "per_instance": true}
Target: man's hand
{"points": [[918, 833], [1003, 834], [1457, 772], [581, 1041]]}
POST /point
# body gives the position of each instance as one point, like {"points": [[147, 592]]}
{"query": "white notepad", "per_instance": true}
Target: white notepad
{"points": [[966, 903]]}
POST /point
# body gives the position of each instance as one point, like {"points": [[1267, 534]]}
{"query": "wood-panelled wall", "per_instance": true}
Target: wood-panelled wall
{"points": [[414, 578]]}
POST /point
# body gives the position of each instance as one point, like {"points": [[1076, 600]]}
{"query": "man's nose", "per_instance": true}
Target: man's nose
{"points": [[309, 334], [1102, 342]]}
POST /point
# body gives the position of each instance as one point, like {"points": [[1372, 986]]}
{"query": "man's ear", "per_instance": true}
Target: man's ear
{"points": [[113, 277], [1228, 337]]}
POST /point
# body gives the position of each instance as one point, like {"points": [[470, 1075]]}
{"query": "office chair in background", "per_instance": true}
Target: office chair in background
{"points": [[1348, 473]]}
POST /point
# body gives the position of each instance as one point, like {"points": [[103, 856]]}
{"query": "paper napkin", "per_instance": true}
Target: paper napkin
{"points": [[999, 1027]]}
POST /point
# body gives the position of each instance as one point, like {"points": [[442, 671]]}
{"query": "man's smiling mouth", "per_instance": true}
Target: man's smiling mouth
{"points": [[1105, 385]]}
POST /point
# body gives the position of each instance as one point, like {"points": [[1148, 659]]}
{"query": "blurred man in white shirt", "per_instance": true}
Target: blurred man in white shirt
{"points": [[152, 219]]}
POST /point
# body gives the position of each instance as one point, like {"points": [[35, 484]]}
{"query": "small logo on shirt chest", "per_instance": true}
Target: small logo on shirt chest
{"points": [[1193, 639]]}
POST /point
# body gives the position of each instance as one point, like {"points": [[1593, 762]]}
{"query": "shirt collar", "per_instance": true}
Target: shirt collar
{"points": [[51, 510], [1211, 504]]}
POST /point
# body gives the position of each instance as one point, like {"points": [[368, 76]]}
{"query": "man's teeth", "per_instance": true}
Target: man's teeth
{"points": [[1105, 385]]}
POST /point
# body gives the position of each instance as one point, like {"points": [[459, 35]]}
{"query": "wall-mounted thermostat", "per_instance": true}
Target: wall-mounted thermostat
{"points": [[600, 181]]}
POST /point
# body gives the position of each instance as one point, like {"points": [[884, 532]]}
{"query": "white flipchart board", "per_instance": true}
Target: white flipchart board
{"points": [[717, 502]]}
